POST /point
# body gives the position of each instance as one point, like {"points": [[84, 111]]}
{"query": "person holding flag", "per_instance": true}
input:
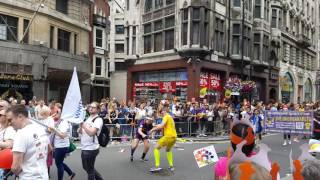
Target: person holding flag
{"points": [[168, 140]]}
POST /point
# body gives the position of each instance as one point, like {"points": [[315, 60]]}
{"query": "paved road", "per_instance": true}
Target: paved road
{"points": [[115, 165]]}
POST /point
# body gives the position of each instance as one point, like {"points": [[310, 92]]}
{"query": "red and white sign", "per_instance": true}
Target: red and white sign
{"points": [[167, 87], [211, 81], [181, 83], [146, 84]]}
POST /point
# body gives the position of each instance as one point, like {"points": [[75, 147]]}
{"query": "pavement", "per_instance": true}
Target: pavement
{"points": [[114, 164]]}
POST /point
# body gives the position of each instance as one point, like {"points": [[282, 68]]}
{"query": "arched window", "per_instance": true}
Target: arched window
{"points": [[287, 88], [308, 91]]}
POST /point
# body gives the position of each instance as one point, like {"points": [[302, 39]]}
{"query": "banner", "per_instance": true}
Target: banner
{"points": [[73, 110], [205, 156], [211, 81], [289, 122]]}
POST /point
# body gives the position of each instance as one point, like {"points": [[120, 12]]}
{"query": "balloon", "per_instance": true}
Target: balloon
{"points": [[227, 94], [6, 159], [203, 92]]}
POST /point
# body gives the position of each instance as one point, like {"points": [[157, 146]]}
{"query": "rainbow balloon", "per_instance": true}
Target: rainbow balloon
{"points": [[6, 159]]}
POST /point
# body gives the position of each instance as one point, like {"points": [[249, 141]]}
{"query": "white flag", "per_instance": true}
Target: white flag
{"points": [[73, 110]]}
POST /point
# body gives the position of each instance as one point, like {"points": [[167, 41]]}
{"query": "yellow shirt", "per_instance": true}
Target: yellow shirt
{"points": [[169, 127]]}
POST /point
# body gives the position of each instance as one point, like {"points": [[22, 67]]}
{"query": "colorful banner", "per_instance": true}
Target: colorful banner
{"points": [[205, 156], [289, 122]]}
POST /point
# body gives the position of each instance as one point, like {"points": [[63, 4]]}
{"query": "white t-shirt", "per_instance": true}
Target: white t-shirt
{"points": [[91, 142], [7, 134], [63, 127], [38, 109], [33, 142], [141, 114]]}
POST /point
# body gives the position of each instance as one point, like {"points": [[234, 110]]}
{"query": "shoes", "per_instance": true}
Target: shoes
{"points": [[155, 169], [131, 158], [171, 168], [144, 159], [72, 176], [204, 135], [284, 143], [289, 142], [296, 140]]}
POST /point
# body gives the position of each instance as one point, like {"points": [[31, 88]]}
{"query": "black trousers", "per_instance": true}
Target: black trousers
{"points": [[88, 160]]}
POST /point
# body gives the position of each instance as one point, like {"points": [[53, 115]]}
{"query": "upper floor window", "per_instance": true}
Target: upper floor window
{"points": [[8, 28], [63, 40], [119, 29], [158, 4], [274, 18], [236, 39], [219, 35], [62, 6], [25, 25], [266, 10], [119, 48], [99, 38], [257, 9], [98, 66], [148, 5], [236, 3]]}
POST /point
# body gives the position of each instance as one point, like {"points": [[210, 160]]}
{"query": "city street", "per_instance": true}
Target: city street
{"points": [[115, 165]]}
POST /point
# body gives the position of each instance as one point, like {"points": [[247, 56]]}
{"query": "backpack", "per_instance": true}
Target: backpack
{"points": [[103, 137]]}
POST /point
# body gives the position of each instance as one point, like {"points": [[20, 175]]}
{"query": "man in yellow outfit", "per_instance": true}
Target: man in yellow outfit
{"points": [[167, 140]]}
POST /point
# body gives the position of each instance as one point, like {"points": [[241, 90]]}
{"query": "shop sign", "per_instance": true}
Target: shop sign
{"points": [[15, 77], [181, 83], [167, 87], [211, 81], [146, 84]]}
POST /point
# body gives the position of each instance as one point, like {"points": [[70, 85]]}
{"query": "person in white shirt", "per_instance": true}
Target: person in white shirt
{"points": [[30, 146], [89, 131], [61, 145], [39, 108], [7, 134]]}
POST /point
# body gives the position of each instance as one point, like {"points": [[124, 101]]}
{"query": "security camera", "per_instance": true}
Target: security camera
{"points": [[42, 5], [189, 60]]}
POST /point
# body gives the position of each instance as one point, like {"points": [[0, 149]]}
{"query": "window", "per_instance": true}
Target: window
{"points": [[219, 35], [235, 38], [158, 42], [168, 2], [62, 6], [185, 27], [257, 9], [169, 22], [119, 29], [147, 28], [63, 40], [297, 27], [9, 30], [133, 45], [169, 39], [205, 34], [236, 3], [284, 19], [119, 48], [99, 38], [274, 18], [247, 39], [75, 40], [98, 66], [134, 30], [128, 5], [128, 45], [195, 26], [280, 20], [158, 4], [291, 23], [51, 36], [25, 25], [256, 46], [148, 5], [147, 44], [266, 10], [158, 25], [265, 48]]}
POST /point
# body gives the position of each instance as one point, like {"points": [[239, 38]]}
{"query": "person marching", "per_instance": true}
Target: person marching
{"points": [[142, 135], [168, 140]]}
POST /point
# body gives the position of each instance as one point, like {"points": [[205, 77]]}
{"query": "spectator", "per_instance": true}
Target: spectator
{"points": [[260, 173], [310, 170], [113, 119], [4, 105], [38, 109], [256, 121]]}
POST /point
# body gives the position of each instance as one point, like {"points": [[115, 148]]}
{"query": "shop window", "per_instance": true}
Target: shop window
{"points": [[119, 29], [257, 9], [9, 28], [236, 38], [62, 6], [63, 40], [119, 48]]}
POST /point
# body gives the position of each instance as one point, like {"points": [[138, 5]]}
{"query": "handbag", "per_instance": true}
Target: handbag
{"points": [[72, 146]]}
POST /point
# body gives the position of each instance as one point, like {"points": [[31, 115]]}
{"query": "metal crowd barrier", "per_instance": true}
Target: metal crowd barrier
{"points": [[186, 126]]}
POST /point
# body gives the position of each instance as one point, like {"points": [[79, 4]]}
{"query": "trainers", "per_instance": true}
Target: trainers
{"points": [[285, 143], [131, 158], [155, 169], [72, 176], [171, 168], [204, 135], [289, 142], [144, 159]]}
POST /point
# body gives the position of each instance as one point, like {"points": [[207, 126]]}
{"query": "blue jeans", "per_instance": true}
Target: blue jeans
{"points": [[59, 155]]}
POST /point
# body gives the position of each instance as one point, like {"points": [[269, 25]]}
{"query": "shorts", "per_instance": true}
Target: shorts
{"points": [[140, 138], [167, 142]]}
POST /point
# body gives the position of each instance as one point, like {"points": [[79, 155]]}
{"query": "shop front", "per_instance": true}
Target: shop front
{"points": [[210, 86], [287, 88], [157, 85], [16, 85]]}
